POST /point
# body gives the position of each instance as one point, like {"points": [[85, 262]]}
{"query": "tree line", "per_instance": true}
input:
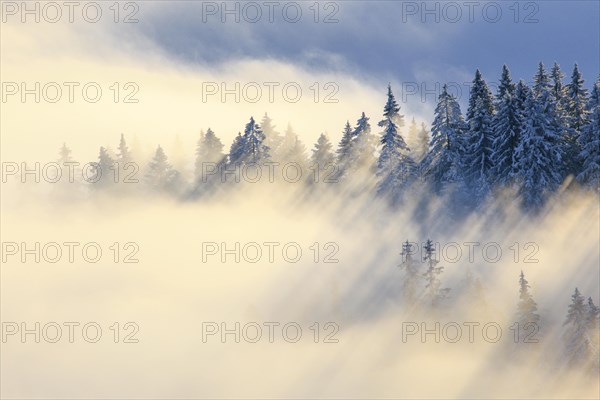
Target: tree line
{"points": [[529, 140], [422, 287]]}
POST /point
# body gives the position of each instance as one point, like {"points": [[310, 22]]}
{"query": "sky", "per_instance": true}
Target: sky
{"points": [[387, 40], [341, 55]]}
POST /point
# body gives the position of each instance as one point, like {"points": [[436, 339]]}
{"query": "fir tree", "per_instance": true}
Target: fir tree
{"points": [[506, 87], [391, 140], [273, 139], [322, 156], [541, 81], [576, 95], [411, 276], [434, 293], [209, 151], [394, 165], [526, 310], [557, 89], [558, 93], [539, 152], [442, 164], [507, 124], [64, 155], [589, 142], [160, 174], [288, 141], [593, 315], [576, 336], [254, 148], [344, 147], [103, 173], [576, 118], [480, 137], [67, 166], [124, 160], [364, 145], [356, 153], [593, 328], [199, 156], [123, 155], [297, 154], [236, 151], [213, 148]]}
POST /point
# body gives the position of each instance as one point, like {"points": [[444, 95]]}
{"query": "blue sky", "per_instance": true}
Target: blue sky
{"points": [[172, 52], [387, 40]]}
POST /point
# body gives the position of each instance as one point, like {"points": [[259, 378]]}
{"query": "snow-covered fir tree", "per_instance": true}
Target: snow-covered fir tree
{"points": [[576, 335], [527, 315], [111, 152], [236, 151], [322, 156], [558, 93], [506, 86], [576, 117], [541, 81], [199, 159], [69, 171], [125, 161], [410, 266], [356, 157], [212, 150], [593, 327], [103, 175], [434, 294], [443, 162], [297, 154], [273, 138], [394, 166], [344, 147], [123, 154], [577, 97], [160, 175], [254, 149], [364, 146], [507, 124], [287, 143], [589, 142], [64, 155], [539, 152], [593, 315], [480, 138], [209, 153]]}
